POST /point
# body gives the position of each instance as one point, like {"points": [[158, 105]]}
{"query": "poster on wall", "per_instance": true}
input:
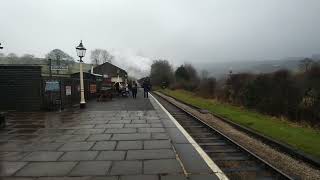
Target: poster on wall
{"points": [[68, 90], [93, 88], [52, 86]]}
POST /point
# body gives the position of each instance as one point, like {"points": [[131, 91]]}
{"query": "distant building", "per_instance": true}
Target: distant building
{"points": [[111, 71]]}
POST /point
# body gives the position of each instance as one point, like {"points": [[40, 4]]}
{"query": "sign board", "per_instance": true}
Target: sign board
{"points": [[99, 79], [52, 86], [59, 68], [93, 88], [68, 90]]}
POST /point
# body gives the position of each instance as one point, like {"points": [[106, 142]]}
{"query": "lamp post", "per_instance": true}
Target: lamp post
{"points": [[81, 51]]}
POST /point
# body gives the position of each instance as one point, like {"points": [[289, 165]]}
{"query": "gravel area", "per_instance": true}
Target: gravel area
{"points": [[286, 163]]}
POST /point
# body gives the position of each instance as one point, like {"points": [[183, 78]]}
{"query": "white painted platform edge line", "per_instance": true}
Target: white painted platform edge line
{"points": [[203, 154]]}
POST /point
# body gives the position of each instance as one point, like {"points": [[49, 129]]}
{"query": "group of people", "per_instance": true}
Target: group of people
{"points": [[134, 88]]}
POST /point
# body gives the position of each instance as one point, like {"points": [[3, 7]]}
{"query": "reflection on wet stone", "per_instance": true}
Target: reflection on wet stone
{"points": [[106, 139]]}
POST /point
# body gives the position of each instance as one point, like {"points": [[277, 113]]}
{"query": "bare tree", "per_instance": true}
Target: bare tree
{"points": [[12, 57], [99, 56], [95, 57], [192, 72], [59, 57], [106, 56], [161, 73], [27, 58]]}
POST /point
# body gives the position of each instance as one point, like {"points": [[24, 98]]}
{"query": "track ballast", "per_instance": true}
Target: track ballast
{"points": [[233, 159]]}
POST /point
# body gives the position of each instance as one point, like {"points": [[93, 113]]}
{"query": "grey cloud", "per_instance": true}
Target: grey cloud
{"points": [[179, 30]]}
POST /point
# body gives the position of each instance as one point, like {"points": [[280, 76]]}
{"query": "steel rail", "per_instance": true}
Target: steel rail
{"points": [[242, 148], [293, 152]]}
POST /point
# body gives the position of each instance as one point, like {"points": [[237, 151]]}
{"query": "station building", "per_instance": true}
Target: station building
{"points": [[111, 71], [28, 88]]}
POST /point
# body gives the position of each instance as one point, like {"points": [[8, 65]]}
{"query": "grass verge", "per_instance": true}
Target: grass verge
{"points": [[303, 138]]}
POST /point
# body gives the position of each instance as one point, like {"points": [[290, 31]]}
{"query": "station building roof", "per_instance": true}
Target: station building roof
{"points": [[109, 69]]}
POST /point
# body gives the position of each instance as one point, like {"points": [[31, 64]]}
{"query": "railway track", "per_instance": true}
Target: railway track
{"points": [[233, 159]]}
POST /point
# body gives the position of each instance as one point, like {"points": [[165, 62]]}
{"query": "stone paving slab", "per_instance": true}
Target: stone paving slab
{"points": [[64, 178], [157, 144], [12, 156], [126, 167], [104, 145], [76, 146], [160, 136], [99, 137], [46, 169], [16, 178], [133, 136], [121, 131], [150, 154], [90, 168], [173, 177], [79, 156], [139, 177], [126, 145], [176, 136], [9, 168], [191, 160], [161, 166], [106, 141], [43, 156], [105, 178], [112, 155], [203, 177]]}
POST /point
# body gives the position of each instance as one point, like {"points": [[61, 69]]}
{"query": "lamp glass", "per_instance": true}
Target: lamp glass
{"points": [[81, 50]]}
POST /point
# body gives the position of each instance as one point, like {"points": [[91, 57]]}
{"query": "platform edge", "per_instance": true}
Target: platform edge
{"points": [[215, 169]]}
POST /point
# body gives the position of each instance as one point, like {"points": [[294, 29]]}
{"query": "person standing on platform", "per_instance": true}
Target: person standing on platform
{"points": [[130, 87], [134, 89], [146, 88]]}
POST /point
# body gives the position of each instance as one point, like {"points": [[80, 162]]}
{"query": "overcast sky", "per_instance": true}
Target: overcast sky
{"points": [[178, 30]]}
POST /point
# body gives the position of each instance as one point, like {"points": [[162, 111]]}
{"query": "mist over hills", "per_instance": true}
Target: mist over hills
{"points": [[221, 69], [140, 66]]}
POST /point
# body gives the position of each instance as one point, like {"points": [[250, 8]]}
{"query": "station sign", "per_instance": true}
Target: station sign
{"points": [[93, 88], [59, 68], [68, 90], [52, 86]]}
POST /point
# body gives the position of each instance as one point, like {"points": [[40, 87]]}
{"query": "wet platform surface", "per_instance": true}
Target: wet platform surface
{"points": [[120, 139]]}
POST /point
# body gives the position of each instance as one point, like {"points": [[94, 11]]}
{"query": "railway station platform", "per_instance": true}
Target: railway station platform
{"points": [[123, 139]]}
